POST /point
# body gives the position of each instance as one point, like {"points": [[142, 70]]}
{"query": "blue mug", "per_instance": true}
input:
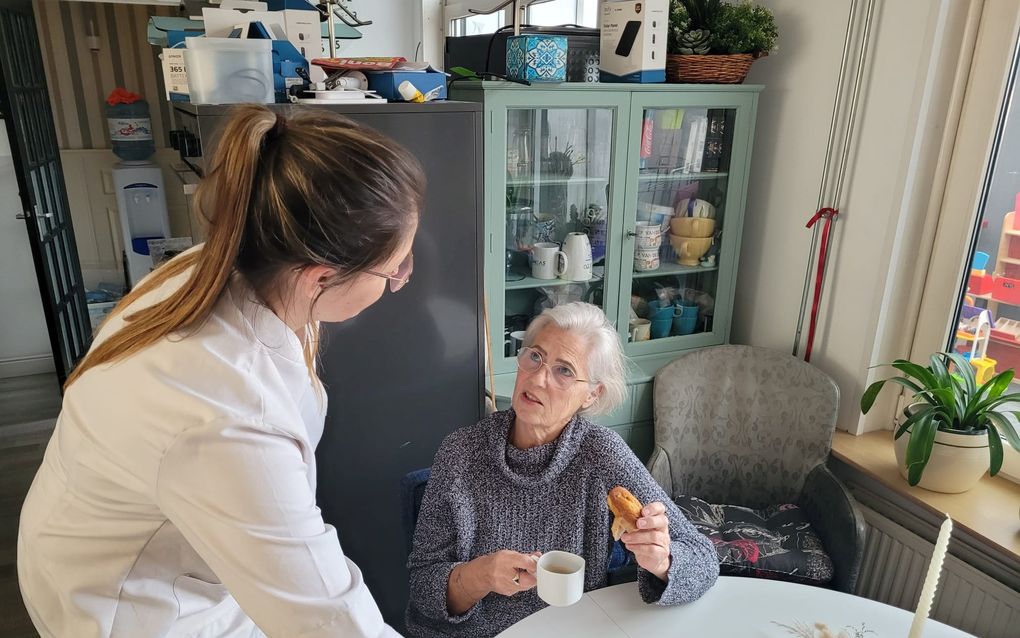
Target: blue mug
{"points": [[656, 310], [661, 326], [685, 320]]}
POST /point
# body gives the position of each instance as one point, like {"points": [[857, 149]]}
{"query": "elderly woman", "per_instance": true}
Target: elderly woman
{"points": [[534, 479]]}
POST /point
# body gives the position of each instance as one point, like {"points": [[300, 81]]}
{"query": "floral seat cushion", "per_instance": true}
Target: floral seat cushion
{"points": [[777, 542]]}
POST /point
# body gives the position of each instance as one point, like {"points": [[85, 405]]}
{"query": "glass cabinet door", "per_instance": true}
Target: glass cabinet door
{"points": [[680, 220], [556, 212]]}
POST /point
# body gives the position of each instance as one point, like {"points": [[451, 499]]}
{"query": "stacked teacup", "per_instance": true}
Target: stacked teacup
{"points": [[691, 237], [646, 253]]}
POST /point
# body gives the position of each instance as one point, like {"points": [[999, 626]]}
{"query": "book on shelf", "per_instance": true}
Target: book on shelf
{"points": [[718, 141], [699, 145], [692, 151]]}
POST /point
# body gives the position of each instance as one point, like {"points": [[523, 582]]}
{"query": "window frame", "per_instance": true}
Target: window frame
{"points": [[989, 87]]}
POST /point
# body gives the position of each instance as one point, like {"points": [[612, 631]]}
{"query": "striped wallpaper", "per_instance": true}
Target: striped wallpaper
{"points": [[79, 79]]}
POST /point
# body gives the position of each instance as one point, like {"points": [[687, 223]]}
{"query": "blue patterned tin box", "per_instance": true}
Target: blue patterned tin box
{"points": [[537, 58]]}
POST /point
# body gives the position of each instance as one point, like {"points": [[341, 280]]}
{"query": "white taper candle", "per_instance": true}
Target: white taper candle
{"points": [[931, 580]]}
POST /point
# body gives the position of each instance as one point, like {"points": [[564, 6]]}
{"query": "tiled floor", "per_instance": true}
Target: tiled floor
{"points": [[28, 407]]}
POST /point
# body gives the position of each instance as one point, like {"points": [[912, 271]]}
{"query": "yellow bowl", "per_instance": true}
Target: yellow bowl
{"points": [[689, 249], [692, 226]]}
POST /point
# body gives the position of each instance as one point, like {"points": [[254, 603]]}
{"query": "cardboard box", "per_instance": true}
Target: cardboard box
{"points": [[633, 43]]}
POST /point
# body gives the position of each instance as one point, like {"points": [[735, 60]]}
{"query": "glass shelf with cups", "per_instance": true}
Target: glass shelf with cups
{"points": [[514, 182], [680, 176], [672, 269], [526, 281]]}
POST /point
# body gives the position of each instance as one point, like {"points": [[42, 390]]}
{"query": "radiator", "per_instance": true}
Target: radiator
{"points": [[895, 563]]}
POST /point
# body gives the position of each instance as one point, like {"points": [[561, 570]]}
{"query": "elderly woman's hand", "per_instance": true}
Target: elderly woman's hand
{"points": [[504, 572], [509, 572], [650, 544]]}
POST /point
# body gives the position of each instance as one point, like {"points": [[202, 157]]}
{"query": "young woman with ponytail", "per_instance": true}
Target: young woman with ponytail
{"points": [[177, 495]]}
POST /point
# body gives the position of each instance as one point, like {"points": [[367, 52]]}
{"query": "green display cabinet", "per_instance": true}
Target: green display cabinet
{"points": [[655, 176]]}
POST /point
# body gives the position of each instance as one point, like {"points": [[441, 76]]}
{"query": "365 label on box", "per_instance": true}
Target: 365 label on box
{"points": [[175, 74]]}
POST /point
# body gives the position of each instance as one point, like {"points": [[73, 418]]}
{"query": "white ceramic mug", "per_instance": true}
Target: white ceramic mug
{"points": [[576, 258], [640, 330], [516, 341], [649, 235], [560, 578], [646, 259], [545, 260]]}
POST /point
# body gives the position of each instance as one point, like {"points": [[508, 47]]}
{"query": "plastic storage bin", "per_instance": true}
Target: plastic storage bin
{"points": [[229, 70], [1007, 290]]}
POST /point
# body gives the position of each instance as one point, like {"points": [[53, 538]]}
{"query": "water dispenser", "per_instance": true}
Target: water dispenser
{"points": [[141, 199]]}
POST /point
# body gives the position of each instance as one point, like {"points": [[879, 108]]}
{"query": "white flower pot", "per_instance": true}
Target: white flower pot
{"points": [[957, 463]]}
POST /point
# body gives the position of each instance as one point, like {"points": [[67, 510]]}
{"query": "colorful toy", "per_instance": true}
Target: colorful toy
{"points": [[984, 367]]}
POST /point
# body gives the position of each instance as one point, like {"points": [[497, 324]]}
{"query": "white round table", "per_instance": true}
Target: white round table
{"points": [[744, 607]]}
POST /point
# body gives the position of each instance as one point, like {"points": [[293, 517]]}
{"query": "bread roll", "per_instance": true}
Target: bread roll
{"points": [[626, 510]]}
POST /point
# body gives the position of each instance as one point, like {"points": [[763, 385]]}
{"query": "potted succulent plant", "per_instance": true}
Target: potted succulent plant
{"points": [[711, 41], [952, 432]]}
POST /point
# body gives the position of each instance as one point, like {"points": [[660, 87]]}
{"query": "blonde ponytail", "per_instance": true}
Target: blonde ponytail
{"points": [[273, 200]]}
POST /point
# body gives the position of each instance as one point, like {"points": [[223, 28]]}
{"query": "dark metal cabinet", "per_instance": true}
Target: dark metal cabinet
{"points": [[408, 370]]}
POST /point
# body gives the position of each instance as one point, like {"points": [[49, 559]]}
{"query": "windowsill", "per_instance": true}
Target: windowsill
{"points": [[991, 510]]}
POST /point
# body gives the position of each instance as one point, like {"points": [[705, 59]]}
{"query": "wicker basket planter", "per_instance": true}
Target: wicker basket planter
{"points": [[708, 69]]}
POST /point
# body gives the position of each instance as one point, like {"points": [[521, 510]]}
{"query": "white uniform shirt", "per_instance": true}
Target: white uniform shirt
{"points": [[177, 495]]}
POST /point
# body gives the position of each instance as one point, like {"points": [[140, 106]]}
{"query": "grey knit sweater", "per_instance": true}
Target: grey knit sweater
{"points": [[485, 495]]}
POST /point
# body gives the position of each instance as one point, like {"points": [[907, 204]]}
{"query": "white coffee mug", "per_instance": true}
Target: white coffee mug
{"points": [[560, 578], [545, 261], [640, 330], [516, 341], [649, 235], [646, 259]]}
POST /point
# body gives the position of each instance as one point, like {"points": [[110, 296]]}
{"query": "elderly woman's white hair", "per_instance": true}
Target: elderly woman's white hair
{"points": [[606, 362]]}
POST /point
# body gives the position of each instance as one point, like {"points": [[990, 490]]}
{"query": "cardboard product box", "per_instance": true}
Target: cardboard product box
{"points": [[633, 42], [175, 75]]}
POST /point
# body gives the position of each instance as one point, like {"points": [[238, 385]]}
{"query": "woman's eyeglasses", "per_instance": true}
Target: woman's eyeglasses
{"points": [[530, 360], [399, 279]]}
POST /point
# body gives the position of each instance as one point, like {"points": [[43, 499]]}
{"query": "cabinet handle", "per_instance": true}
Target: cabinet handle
{"points": [[631, 233]]}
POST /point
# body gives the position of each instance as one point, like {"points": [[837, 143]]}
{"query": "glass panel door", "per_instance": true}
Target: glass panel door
{"points": [[558, 167], [683, 180]]}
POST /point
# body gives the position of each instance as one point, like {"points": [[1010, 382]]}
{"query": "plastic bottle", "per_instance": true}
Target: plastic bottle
{"points": [[127, 116]]}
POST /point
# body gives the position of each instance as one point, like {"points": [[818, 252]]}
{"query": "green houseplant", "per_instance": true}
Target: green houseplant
{"points": [[716, 41], [951, 403]]}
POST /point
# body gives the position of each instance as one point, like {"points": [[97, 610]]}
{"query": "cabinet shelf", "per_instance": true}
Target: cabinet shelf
{"points": [[531, 282], [557, 180], [643, 179], [989, 297], [678, 177], [1006, 342], [672, 269]]}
